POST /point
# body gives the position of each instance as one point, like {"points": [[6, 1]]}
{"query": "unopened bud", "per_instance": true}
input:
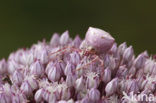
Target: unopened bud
{"points": [[26, 88], [92, 80], [69, 68], [133, 86], [54, 74], [140, 61], [128, 54], [121, 49], [80, 84], [94, 95], [70, 80], [106, 77], [111, 87], [36, 68], [3, 66], [64, 39], [38, 95], [17, 77], [76, 42], [75, 58], [54, 40]]}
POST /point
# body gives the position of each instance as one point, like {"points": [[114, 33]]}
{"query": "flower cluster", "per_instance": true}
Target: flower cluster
{"points": [[65, 70]]}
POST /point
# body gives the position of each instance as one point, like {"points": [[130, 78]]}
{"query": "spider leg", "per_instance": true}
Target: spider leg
{"points": [[65, 49], [92, 61], [60, 50]]}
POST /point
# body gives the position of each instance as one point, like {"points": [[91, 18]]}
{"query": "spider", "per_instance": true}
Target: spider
{"points": [[96, 42], [91, 52]]}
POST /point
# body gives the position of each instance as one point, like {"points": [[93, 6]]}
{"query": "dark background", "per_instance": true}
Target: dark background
{"points": [[24, 22]]}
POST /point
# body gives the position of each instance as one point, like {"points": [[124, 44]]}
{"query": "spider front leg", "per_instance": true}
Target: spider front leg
{"points": [[92, 61], [62, 50]]}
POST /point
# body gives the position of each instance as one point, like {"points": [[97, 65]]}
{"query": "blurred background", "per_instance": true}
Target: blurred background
{"points": [[24, 22]]}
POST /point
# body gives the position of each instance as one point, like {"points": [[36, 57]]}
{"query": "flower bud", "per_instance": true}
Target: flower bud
{"points": [[29, 85], [38, 95], [17, 77], [92, 80], [26, 88], [112, 63], [12, 66], [106, 77], [94, 95], [122, 72], [54, 40], [133, 86], [62, 101], [139, 73], [77, 102], [4, 98], [49, 66], [149, 66], [60, 65], [76, 42], [64, 39], [75, 58], [114, 99], [107, 60], [141, 82], [48, 94], [36, 68], [140, 61], [1, 80], [150, 82], [18, 55], [153, 70], [33, 82], [81, 94], [3, 66], [18, 97], [132, 71], [130, 63], [54, 74], [111, 87], [98, 39], [40, 52], [52, 98], [5, 93], [128, 54], [70, 80], [85, 100], [27, 58], [80, 84], [70, 101], [79, 70], [121, 49], [69, 68], [44, 57], [113, 50], [64, 91]]}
